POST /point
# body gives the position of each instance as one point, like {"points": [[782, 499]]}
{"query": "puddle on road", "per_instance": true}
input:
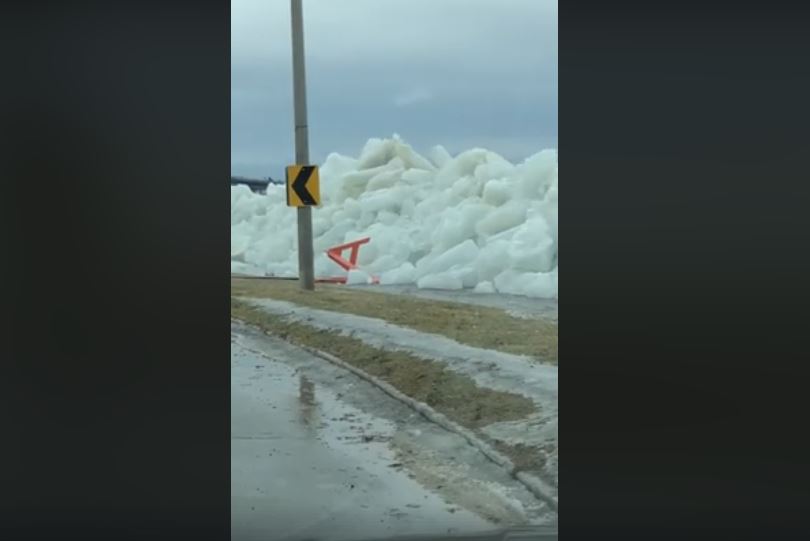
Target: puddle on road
{"points": [[298, 407], [293, 436], [306, 398]]}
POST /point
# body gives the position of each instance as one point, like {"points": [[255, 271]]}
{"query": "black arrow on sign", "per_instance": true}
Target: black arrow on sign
{"points": [[299, 185]]}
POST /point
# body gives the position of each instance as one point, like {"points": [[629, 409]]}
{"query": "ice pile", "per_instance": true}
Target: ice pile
{"points": [[470, 221]]}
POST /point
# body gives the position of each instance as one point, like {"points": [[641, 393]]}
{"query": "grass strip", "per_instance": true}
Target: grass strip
{"points": [[478, 326]]}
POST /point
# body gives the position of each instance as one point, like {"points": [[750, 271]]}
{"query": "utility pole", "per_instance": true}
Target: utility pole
{"points": [[306, 271]]}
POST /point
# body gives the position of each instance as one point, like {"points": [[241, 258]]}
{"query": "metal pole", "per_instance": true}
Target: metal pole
{"points": [[306, 271]]}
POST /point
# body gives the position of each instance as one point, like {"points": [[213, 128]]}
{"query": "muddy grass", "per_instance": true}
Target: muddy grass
{"points": [[455, 395], [527, 458], [479, 326]]}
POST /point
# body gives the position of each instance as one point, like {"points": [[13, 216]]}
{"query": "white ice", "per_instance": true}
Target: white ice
{"points": [[442, 222]]}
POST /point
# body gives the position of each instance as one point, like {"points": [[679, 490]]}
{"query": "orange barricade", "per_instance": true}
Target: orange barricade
{"points": [[336, 254]]}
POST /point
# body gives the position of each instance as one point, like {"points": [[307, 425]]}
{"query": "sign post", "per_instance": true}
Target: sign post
{"points": [[306, 271]]}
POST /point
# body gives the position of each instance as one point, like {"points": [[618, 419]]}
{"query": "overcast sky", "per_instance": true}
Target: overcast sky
{"points": [[460, 73]]}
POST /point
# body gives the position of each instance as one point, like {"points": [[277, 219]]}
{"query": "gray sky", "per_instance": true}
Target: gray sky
{"points": [[460, 73]]}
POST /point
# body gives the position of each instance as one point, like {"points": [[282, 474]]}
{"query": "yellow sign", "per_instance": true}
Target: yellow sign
{"points": [[303, 186]]}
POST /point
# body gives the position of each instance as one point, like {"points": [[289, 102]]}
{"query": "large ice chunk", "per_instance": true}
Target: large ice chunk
{"points": [[439, 156], [484, 287], [492, 260], [497, 192], [460, 255], [532, 247], [502, 218], [404, 274], [443, 280], [356, 277], [529, 284]]}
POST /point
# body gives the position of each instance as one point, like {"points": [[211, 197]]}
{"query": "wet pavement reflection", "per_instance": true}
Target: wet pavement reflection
{"points": [[304, 464], [306, 399]]}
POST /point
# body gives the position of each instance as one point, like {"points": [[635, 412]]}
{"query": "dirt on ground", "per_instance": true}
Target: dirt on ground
{"points": [[455, 395], [449, 478], [479, 326], [528, 458]]}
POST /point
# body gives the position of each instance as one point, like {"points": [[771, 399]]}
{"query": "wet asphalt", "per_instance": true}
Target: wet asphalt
{"points": [[306, 464]]}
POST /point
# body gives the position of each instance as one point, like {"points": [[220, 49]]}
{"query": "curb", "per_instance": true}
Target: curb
{"points": [[535, 485]]}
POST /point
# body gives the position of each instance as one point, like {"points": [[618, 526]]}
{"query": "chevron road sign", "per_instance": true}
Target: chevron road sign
{"points": [[303, 186]]}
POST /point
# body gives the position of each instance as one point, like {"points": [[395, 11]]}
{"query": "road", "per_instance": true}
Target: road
{"points": [[317, 453]]}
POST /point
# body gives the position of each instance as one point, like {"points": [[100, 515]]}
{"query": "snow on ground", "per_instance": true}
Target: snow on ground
{"points": [[441, 222]]}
